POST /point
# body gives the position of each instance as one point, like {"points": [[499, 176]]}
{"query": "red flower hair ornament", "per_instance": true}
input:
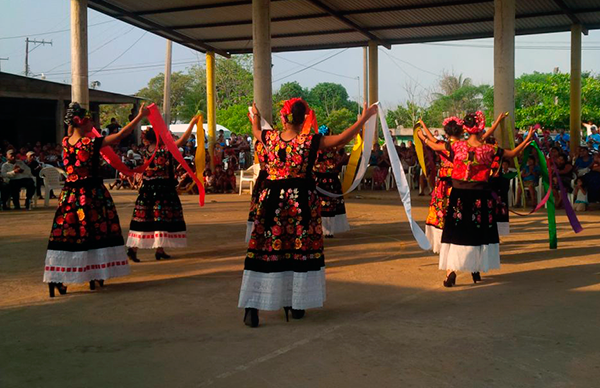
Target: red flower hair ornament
{"points": [[450, 119], [310, 120], [479, 124]]}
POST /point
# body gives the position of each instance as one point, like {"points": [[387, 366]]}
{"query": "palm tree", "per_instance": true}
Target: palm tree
{"points": [[450, 83]]}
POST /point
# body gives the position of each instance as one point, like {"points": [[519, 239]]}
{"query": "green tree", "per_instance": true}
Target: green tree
{"points": [[329, 96], [290, 90], [339, 120], [235, 118], [180, 87], [119, 111]]}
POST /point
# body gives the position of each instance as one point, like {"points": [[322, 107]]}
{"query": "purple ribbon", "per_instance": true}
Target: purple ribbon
{"points": [[573, 220]]}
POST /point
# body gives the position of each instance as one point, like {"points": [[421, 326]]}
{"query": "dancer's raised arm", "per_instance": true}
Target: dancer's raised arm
{"points": [[184, 138], [489, 133], [255, 117], [434, 145], [426, 132], [123, 133], [349, 133], [508, 154]]}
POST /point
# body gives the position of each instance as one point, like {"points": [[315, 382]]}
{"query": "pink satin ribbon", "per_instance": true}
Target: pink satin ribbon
{"points": [[115, 161], [160, 128]]}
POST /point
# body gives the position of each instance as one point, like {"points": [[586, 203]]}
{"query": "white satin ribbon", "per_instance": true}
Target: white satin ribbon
{"points": [[398, 171]]}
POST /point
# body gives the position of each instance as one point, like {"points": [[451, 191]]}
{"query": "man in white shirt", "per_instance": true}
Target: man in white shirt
{"points": [[18, 175]]}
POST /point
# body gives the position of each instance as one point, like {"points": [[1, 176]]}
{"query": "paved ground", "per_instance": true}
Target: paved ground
{"points": [[388, 321]]}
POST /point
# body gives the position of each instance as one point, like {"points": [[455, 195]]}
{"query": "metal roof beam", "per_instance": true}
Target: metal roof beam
{"points": [[400, 26], [102, 6], [569, 12], [197, 7], [337, 15]]}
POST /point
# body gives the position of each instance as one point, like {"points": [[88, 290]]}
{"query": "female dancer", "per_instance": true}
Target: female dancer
{"points": [[470, 236], [157, 220], [85, 244], [284, 265], [327, 170], [259, 149], [434, 225], [453, 126]]}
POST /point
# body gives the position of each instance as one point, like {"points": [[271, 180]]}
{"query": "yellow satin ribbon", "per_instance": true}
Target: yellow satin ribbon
{"points": [[200, 158], [419, 148], [352, 164]]}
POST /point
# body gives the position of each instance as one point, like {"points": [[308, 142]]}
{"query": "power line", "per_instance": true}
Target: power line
{"points": [[52, 32], [410, 64], [402, 70], [594, 48], [322, 71], [311, 66], [120, 55], [131, 66]]}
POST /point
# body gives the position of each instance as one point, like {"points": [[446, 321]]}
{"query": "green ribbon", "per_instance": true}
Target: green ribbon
{"points": [[551, 209]]}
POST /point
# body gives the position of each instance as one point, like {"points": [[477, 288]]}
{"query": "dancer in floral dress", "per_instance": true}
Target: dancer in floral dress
{"points": [[327, 173], [86, 244], [259, 150], [157, 221], [470, 237], [284, 265]]}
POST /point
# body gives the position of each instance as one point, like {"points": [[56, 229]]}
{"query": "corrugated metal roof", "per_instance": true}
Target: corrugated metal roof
{"points": [[225, 26]]}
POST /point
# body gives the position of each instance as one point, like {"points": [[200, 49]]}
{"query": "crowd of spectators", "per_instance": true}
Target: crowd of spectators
{"points": [[579, 174]]}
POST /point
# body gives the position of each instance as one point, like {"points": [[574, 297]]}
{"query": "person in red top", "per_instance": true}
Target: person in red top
{"points": [[470, 239], [284, 265]]}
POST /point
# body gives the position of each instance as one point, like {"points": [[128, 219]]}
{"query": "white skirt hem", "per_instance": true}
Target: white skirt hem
{"points": [[334, 225], [84, 266], [434, 235], [273, 291], [157, 239], [467, 258]]}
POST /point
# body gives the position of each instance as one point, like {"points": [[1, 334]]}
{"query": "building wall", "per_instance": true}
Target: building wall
{"points": [[25, 121]]}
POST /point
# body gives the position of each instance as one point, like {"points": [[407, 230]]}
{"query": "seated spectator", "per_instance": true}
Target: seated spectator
{"points": [[565, 170], [219, 178], [209, 181], [580, 196], [530, 175], [35, 168], [229, 181], [594, 139], [583, 162], [563, 139], [18, 175]]}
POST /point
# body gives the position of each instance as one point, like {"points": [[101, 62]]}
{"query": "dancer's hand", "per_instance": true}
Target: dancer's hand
{"points": [[144, 111], [255, 112], [369, 111]]}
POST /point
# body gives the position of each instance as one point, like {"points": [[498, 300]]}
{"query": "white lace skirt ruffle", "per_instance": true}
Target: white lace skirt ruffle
{"points": [[249, 228], [467, 258], [334, 225], [434, 235], [83, 266], [503, 228], [158, 239], [275, 290]]}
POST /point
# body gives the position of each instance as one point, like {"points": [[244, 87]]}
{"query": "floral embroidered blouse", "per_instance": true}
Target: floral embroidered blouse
{"points": [[78, 158], [289, 159], [162, 165], [473, 164], [445, 170], [327, 161]]}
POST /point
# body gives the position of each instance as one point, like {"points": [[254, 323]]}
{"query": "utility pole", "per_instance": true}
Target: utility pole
{"points": [[34, 41], [167, 90], [2, 59]]}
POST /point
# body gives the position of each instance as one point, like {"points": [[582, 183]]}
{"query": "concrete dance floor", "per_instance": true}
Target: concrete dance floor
{"points": [[387, 322]]}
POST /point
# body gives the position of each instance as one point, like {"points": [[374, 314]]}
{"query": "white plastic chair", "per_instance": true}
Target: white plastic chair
{"points": [[249, 175], [51, 177]]}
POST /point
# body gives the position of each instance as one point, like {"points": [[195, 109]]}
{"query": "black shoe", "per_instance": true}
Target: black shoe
{"points": [[161, 255], [132, 255], [450, 279], [62, 289], [298, 314], [92, 285], [251, 317], [286, 310], [27, 204], [476, 277]]}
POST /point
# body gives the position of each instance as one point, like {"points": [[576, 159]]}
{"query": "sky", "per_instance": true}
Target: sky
{"points": [[123, 58]]}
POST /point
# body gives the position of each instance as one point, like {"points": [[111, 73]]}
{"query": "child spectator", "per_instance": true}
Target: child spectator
{"points": [[530, 175], [580, 195]]}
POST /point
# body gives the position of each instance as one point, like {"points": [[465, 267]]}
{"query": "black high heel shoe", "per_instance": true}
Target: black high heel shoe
{"points": [[62, 289], [298, 314], [161, 255], [132, 255], [93, 284], [450, 279], [476, 277], [287, 310], [251, 317]]}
